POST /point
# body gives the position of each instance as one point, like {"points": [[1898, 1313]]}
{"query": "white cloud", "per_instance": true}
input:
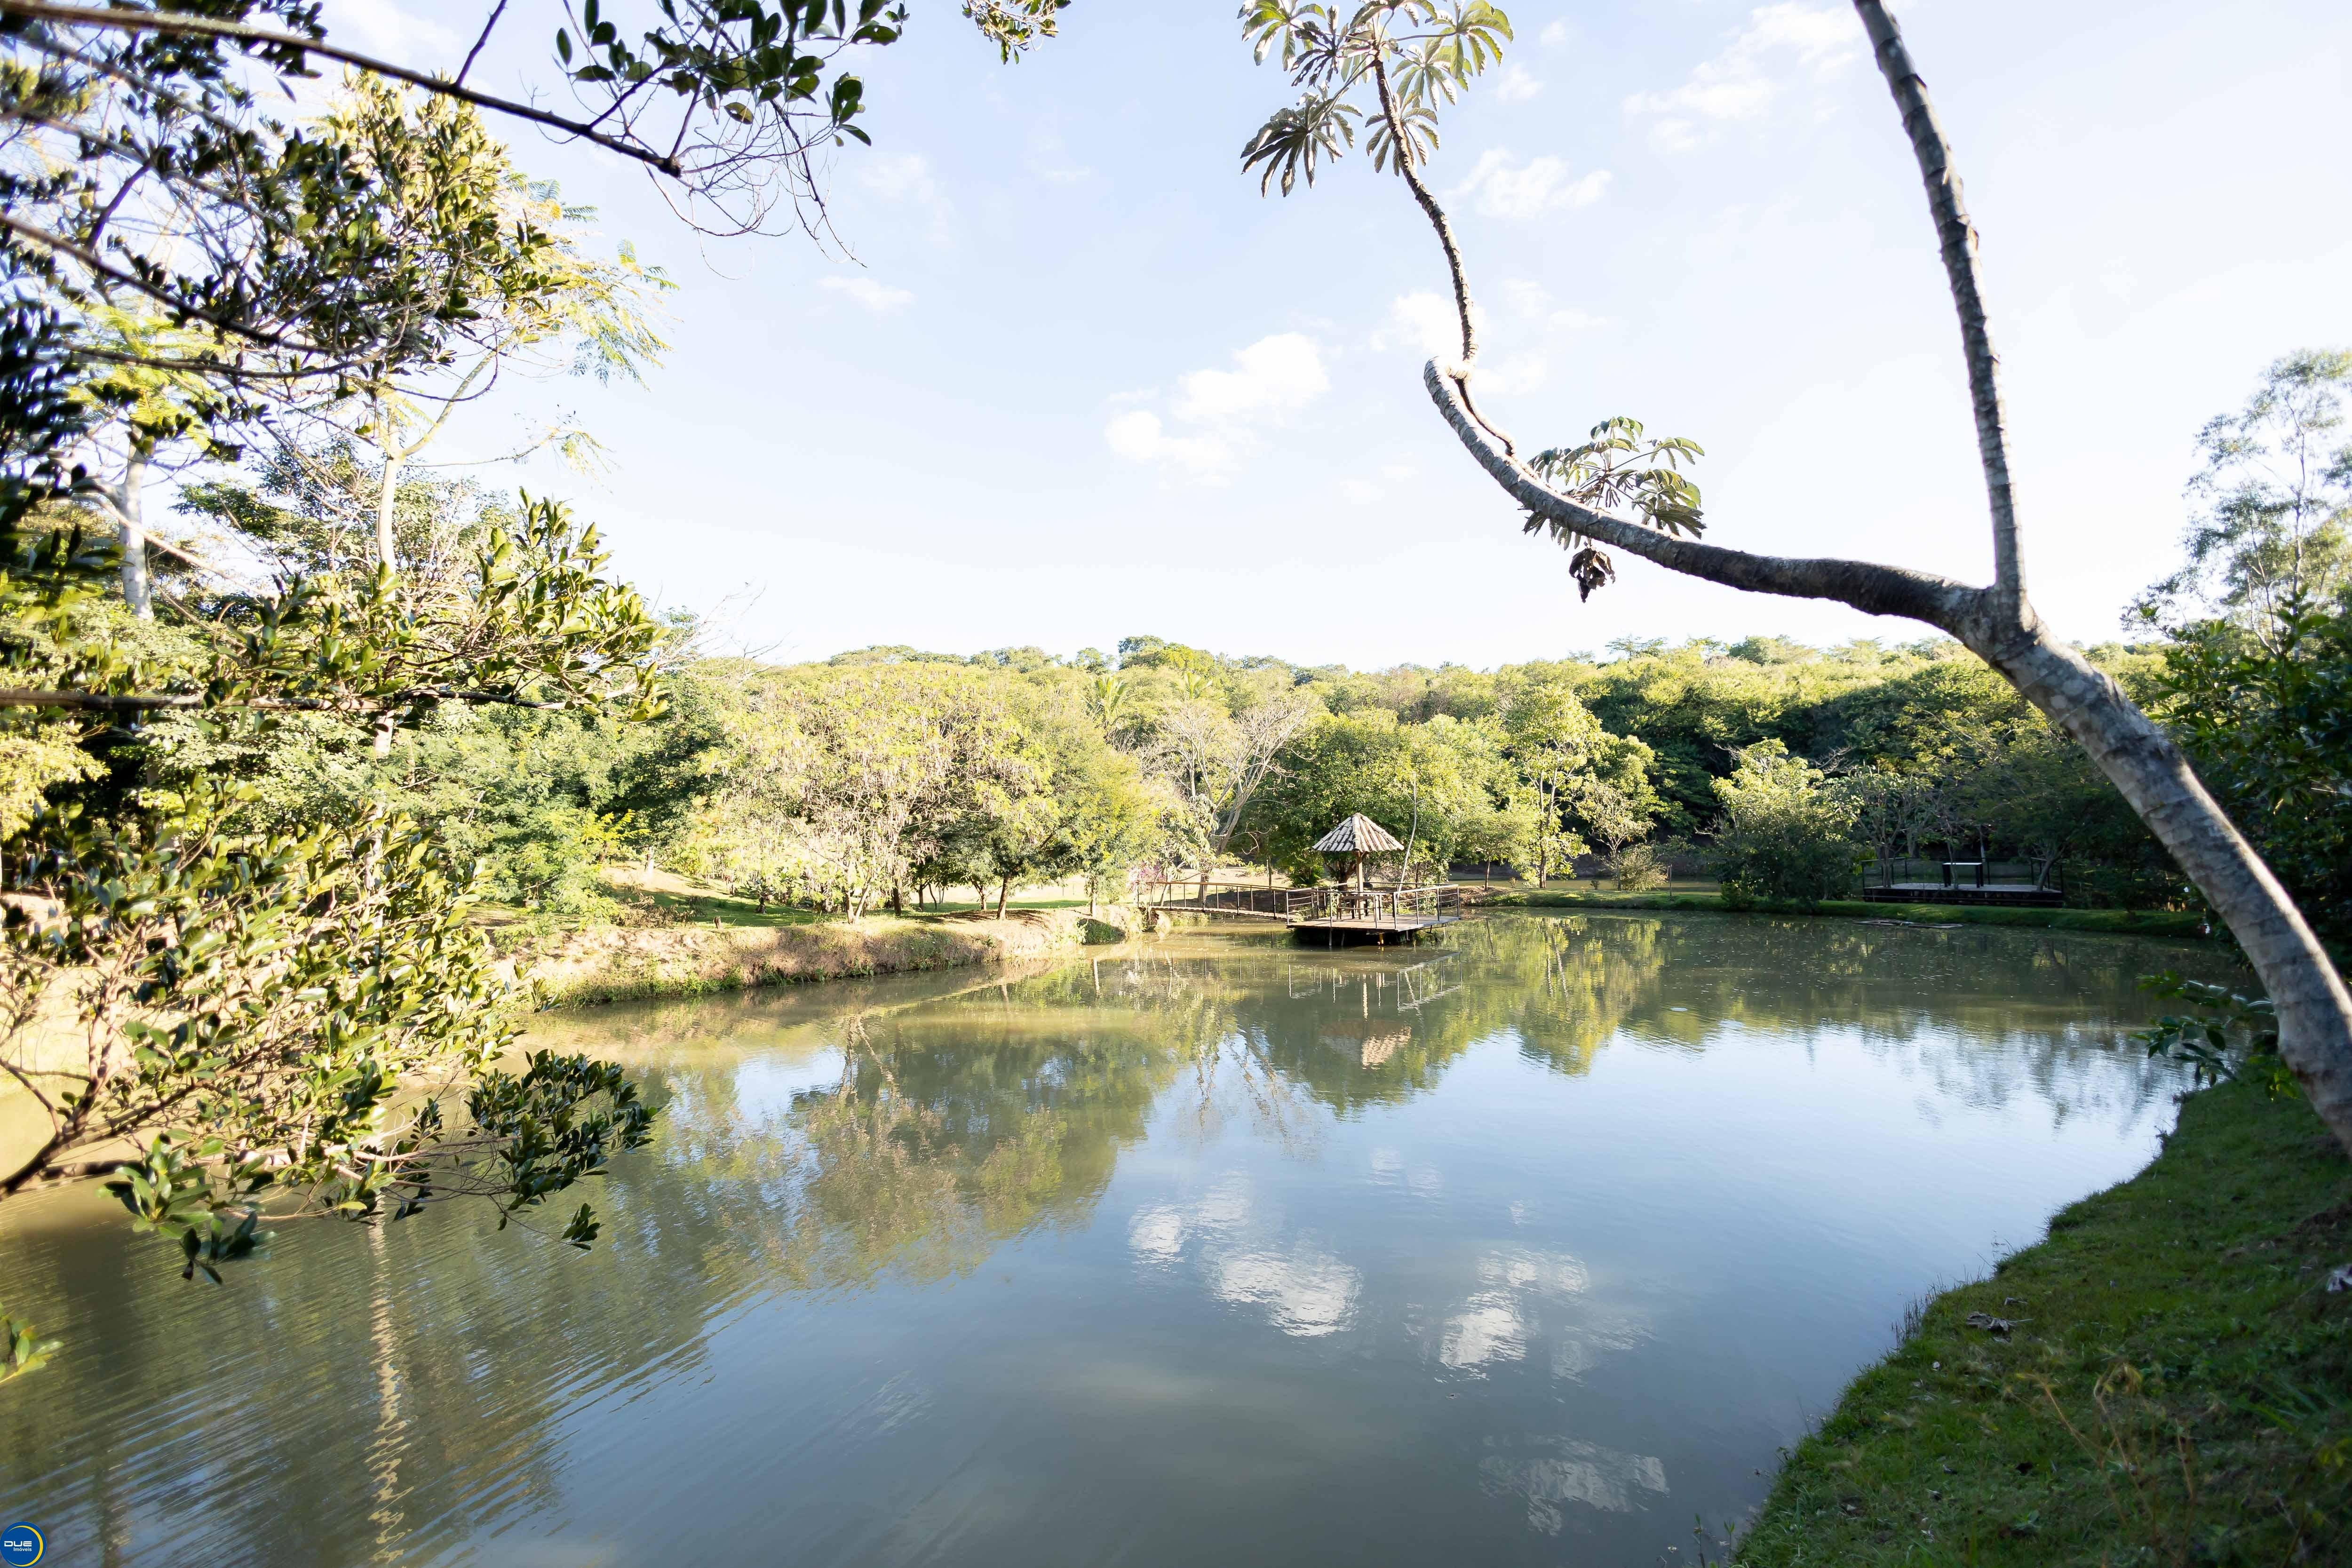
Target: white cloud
{"points": [[1157, 1234], [878, 298], [1540, 1273], [1273, 375], [393, 32], [1573, 1472], [1486, 1329], [1306, 1294], [1553, 36], [899, 176], [1383, 481], [1532, 302], [1139, 437], [1516, 376], [905, 179], [1511, 364], [1780, 45], [1049, 157], [1528, 190], [1428, 324], [1518, 84], [1270, 379], [1304, 1291]]}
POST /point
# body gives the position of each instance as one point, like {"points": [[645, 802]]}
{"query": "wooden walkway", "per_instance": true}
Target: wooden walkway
{"points": [[1339, 917]]}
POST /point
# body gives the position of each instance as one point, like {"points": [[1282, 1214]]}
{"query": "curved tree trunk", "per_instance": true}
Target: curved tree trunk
{"points": [[1996, 622], [2313, 1009]]}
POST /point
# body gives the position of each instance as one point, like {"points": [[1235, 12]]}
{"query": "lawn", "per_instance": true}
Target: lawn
{"points": [[2139, 922], [2167, 1379]]}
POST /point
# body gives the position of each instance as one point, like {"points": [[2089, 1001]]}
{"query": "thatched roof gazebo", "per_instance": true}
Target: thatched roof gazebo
{"points": [[1357, 840]]}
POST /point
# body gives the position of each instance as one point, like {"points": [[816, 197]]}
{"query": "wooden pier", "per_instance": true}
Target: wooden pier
{"points": [[1341, 916], [2018, 883], [1327, 917]]}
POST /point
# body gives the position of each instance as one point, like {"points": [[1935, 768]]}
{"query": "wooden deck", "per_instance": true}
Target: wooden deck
{"points": [[2027, 884], [1337, 917], [2023, 895]]}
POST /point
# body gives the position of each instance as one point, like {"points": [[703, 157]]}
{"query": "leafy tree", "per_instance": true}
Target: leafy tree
{"points": [[536, 302], [2274, 526], [307, 511], [1553, 741], [1391, 64], [1581, 775], [1216, 759], [2268, 717], [1103, 815], [272, 1017], [846, 785], [1784, 838], [1440, 787]]}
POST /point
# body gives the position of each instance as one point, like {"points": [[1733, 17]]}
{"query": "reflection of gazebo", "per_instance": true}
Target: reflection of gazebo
{"points": [[1356, 841]]}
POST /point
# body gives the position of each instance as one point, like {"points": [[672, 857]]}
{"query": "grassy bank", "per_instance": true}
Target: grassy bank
{"points": [[2136, 922], [2175, 1385], [620, 963]]}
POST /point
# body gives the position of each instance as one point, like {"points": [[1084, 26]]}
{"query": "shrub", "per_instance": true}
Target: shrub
{"points": [[1638, 867], [1785, 837]]}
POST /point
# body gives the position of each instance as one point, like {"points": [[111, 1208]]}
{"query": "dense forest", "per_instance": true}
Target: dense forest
{"points": [[891, 775]]}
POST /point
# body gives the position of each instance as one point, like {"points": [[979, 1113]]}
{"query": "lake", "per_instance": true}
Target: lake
{"points": [[1534, 1246]]}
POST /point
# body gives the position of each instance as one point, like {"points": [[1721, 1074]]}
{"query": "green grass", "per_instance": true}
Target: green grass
{"points": [[2140, 922], [711, 908], [723, 908], [2176, 1387]]}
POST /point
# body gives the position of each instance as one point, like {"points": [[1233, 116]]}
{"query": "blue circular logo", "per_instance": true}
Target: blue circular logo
{"points": [[20, 1544]]}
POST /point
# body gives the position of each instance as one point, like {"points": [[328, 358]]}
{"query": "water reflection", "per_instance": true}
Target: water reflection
{"points": [[1206, 1250]]}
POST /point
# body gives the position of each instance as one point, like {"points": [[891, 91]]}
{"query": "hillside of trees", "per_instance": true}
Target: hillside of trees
{"points": [[892, 775]]}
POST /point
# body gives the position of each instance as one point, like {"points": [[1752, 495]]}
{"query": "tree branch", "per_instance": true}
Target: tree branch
{"points": [[1957, 238], [1867, 586], [244, 33], [1414, 182], [97, 264], [479, 44], [1453, 265], [135, 702]]}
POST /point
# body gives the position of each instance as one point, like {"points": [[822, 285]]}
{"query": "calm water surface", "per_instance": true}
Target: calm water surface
{"points": [[1527, 1249]]}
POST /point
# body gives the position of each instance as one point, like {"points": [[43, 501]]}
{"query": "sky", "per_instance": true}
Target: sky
{"points": [[1070, 377]]}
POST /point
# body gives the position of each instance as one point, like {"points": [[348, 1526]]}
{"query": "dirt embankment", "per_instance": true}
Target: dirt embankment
{"points": [[622, 964]]}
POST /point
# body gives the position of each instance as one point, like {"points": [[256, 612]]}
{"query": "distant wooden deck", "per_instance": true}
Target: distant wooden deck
{"points": [[1337, 917], [2024, 895], [2021, 884]]}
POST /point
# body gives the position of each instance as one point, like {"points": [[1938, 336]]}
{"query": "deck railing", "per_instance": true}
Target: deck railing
{"points": [[1900, 871], [1434, 902]]}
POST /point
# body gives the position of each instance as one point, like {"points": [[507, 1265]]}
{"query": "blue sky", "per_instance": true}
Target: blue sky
{"points": [[1080, 380]]}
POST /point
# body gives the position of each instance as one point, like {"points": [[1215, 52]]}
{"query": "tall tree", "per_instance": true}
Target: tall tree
{"points": [[535, 301], [1405, 59], [1579, 774], [1217, 761], [2274, 525]]}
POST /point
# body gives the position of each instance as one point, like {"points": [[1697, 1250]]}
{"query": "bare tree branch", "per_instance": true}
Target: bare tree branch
{"points": [[1957, 238], [244, 33]]}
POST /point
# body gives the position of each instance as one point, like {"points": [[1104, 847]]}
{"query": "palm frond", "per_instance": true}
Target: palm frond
{"points": [[1289, 145], [1617, 469], [1418, 126]]}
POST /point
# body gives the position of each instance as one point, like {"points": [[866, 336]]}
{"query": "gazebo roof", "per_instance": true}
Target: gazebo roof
{"points": [[1359, 835]]}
